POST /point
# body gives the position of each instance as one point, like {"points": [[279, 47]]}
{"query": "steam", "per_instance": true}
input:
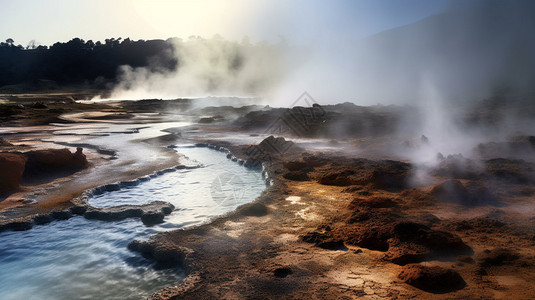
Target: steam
{"points": [[207, 67], [445, 66]]}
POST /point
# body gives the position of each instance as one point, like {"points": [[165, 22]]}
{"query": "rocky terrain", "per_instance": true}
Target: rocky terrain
{"points": [[342, 219]]}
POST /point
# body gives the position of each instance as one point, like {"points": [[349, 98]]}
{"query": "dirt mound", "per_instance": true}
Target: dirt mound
{"points": [[323, 237], [341, 178], [497, 257], [389, 175], [456, 166], [514, 171], [42, 162], [403, 241], [275, 145], [472, 194], [413, 242], [11, 170], [432, 279]]}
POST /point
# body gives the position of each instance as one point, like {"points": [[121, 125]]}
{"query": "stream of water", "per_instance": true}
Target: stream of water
{"points": [[87, 259]]}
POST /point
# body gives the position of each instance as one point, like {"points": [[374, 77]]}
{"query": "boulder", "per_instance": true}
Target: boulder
{"points": [[432, 279], [54, 160], [11, 170]]}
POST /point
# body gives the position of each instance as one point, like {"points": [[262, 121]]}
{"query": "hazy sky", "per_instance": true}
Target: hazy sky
{"points": [[49, 21]]}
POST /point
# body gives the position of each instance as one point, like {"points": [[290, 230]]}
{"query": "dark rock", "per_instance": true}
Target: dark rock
{"points": [[150, 213], [323, 240], [456, 166], [19, 225], [42, 219], [113, 213], [167, 255], [282, 272], [497, 257], [61, 215], [152, 218], [51, 160], [78, 210], [278, 145], [432, 279]]}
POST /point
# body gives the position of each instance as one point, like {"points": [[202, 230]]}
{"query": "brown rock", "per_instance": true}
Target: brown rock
{"points": [[11, 170], [432, 279]]}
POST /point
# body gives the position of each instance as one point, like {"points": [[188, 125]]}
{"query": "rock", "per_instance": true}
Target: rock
{"points": [[11, 170], [373, 238], [19, 225], [167, 255], [296, 176], [497, 257], [43, 162], [391, 175], [455, 192], [456, 166], [432, 279], [61, 215], [451, 191], [113, 213], [42, 219], [152, 218], [282, 272], [323, 240], [150, 214], [78, 210], [272, 144]]}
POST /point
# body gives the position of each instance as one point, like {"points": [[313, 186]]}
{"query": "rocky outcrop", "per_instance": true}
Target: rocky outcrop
{"points": [[54, 160], [166, 254], [432, 279], [150, 214], [11, 171]]}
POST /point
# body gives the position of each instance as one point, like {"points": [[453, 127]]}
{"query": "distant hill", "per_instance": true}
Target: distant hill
{"points": [[461, 54]]}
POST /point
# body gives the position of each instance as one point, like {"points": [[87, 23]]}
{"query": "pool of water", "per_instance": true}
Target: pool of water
{"points": [[87, 259]]}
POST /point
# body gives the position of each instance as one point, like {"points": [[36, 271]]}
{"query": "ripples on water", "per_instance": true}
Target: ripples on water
{"points": [[86, 259]]}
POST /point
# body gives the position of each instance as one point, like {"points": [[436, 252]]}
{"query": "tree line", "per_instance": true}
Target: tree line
{"points": [[81, 62]]}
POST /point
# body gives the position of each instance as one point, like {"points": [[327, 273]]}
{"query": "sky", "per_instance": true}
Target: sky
{"points": [[296, 21]]}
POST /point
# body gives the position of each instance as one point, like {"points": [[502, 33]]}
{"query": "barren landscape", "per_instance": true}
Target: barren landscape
{"points": [[345, 219]]}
